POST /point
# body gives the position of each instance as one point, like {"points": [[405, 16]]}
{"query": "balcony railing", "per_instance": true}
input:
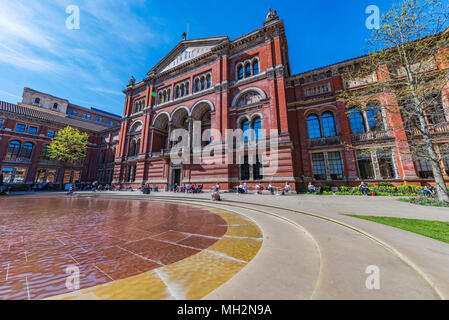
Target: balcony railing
{"points": [[326, 141], [435, 129], [371, 136], [18, 160]]}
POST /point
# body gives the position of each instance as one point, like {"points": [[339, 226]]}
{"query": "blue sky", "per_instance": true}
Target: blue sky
{"points": [[118, 39]]}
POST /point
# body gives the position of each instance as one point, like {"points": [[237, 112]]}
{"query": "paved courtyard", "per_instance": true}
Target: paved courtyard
{"points": [[244, 247]]}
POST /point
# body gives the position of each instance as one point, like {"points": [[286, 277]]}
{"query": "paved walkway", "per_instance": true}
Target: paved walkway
{"points": [[411, 266]]}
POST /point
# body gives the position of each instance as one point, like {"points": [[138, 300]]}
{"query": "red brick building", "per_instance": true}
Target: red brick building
{"points": [[26, 129], [246, 83]]}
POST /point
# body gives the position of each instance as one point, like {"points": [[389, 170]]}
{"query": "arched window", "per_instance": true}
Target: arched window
{"points": [[203, 83], [257, 127], [248, 70], [357, 123], [27, 150], [182, 90], [187, 88], [246, 130], [240, 73], [37, 101], [132, 149], [373, 118], [137, 148], [255, 67], [328, 122], [313, 124], [177, 93], [197, 85], [55, 106], [13, 149], [160, 98], [209, 81]]}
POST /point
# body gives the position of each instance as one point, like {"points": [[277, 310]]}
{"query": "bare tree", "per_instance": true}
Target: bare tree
{"points": [[408, 66]]}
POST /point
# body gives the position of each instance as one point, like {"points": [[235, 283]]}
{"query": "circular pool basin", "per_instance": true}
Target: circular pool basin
{"points": [[105, 239]]}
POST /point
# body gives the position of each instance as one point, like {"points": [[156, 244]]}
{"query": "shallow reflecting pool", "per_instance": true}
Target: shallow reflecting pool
{"points": [[107, 240]]}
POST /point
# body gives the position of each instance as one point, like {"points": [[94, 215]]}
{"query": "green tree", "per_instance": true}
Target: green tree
{"points": [[69, 146], [402, 67]]}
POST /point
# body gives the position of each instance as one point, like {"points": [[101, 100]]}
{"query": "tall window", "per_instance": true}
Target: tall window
{"points": [[319, 166], [246, 130], [45, 153], [373, 118], [257, 127], [328, 121], [55, 106], [386, 167], [434, 112], [335, 165], [27, 150], [13, 150], [365, 164], [313, 125], [357, 123], [203, 83], [240, 73], [51, 134], [208, 81], [255, 67], [257, 169], [248, 70], [424, 169], [37, 101], [1, 124], [197, 85], [244, 169]]}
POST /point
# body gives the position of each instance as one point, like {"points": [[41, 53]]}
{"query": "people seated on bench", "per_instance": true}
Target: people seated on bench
{"points": [[270, 188], [243, 189], [287, 188], [146, 189], [429, 190], [259, 188], [216, 194], [363, 188]]}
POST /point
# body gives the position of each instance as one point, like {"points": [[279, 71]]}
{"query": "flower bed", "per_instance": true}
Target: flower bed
{"points": [[426, 201]]}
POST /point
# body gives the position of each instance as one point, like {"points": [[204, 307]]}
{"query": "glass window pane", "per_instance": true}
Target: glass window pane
{"points": [[256, 67], [313, 124], [19, 175], [257, 128], [20, 127], [335, 165], [7, 174], [319, 166], [357, 123], [328, 125], [13, 149], [246, 130]]}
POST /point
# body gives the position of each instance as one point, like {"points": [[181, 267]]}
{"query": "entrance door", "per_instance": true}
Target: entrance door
{"points": [[176, 177]]}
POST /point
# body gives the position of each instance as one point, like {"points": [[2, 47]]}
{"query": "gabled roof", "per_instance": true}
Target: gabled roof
{"points": [[186, 50]]}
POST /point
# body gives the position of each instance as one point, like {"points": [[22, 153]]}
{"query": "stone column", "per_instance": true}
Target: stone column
{"points": [[376, 167], [326, 164]]}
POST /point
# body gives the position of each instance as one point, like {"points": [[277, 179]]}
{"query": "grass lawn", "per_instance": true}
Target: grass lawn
{"points": [[433, 229]]}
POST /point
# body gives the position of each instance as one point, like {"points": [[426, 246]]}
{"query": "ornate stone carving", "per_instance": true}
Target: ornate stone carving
{"points": [[249, 98], [271, 16], [186, 55], [132, 82]]}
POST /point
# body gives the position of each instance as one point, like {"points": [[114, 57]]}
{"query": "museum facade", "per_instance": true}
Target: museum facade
{"points": [[246, 84]]}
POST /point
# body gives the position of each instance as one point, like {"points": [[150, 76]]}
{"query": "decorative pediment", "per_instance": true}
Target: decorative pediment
{"points": [[185, 51], [185, 55]]}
